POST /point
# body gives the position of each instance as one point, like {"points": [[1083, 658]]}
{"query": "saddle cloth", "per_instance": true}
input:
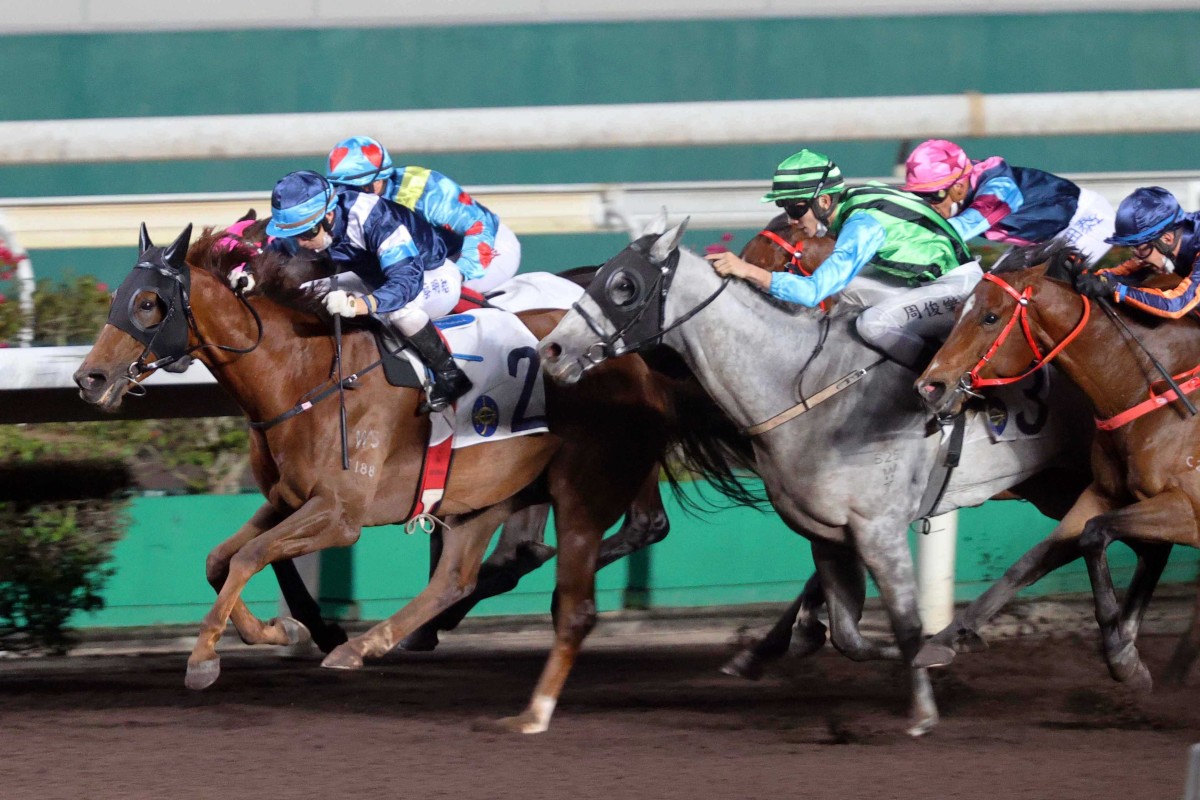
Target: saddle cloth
{"points": [[499, 355]]}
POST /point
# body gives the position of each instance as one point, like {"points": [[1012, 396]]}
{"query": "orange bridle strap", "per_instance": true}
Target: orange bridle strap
{"points": [[972, 379]]}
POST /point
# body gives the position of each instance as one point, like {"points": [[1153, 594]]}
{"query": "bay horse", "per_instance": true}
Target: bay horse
{"points": [[852, 476], [272, 352], [1146, 488]]}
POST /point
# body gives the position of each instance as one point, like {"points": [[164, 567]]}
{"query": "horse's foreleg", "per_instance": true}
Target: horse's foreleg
{"points": [[464, 541], [1151, 561], [250, 628], [1166, 517], [1059, 548], [314, 526], [886, 555]]}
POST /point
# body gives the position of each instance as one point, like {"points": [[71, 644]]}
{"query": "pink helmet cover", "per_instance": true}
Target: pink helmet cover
{"points": [[934, 165]]}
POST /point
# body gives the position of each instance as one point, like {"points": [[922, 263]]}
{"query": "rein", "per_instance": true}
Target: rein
{"points": [[971, 381]]}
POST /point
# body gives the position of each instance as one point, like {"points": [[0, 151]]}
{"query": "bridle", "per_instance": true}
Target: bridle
{"points": [[971, 380], [649, 328]]}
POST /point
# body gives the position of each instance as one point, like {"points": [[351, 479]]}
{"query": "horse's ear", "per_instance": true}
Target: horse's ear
{"points": [[668, 242], [174, 254], [250, 214], [144, 242], [657, 224]]}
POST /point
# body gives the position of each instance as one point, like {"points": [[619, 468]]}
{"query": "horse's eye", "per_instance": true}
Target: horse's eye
{"points": [[146, 305], [622, 289], [990, 319]]}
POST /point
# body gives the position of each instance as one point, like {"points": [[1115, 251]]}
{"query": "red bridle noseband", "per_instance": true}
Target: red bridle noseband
{"points": [[972, 381]]}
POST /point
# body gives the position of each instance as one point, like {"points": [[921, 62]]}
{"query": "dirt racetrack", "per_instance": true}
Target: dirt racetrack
{"points": [[643, 716]]}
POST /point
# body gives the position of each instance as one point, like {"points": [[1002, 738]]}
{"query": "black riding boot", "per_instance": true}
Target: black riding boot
{"points": [[449, 382]]}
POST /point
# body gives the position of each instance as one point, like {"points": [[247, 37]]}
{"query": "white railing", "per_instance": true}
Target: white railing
{"points": [[78, 222], [477, 130]]}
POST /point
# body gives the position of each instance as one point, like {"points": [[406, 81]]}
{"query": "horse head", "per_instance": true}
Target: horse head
{"points": [[149, 318], [622, 309], [783, 247], [1017, 320]]}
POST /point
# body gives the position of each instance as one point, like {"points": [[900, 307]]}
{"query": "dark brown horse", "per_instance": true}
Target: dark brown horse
{"points": [[1146, 487], [269, 352]]}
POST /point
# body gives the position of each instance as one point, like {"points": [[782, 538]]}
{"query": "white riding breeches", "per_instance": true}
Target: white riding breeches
{"points": [[440, 291], [1093, 222], [901, 323], [506, 260]]}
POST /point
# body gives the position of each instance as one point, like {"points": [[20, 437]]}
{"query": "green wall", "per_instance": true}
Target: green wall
{"points": [[729, 557]]}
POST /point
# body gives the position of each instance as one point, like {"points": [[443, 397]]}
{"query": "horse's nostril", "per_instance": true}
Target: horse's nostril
{"points": [[551, 351], [89, 380], [932, 391]]}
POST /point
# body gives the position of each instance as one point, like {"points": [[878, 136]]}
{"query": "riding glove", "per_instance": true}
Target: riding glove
{"points": [[1095, 284]]}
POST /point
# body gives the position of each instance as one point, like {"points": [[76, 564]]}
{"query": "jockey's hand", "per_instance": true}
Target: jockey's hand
{"points": [[342, 302], [730, 264], [1095, 284], [241, 279]]}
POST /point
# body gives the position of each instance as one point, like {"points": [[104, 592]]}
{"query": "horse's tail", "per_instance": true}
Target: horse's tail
{"points": [[706, 443]]}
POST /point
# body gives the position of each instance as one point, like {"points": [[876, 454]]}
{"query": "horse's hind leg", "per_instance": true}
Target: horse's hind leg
{"points": [[1059, 548], [645, 524], [519, 551], [749, 661], [465, 540], [306, 610]]}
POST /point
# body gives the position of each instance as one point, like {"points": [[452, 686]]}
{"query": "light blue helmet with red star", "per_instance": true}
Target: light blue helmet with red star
{"points": [[358, 161]]}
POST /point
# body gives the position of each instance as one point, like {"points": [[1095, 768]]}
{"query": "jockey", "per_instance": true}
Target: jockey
{"points": [[401, 265], [896, 233], [1164, 240], [1017, 205], [491, 253]]}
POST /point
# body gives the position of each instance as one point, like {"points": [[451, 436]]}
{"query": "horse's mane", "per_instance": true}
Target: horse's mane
{"points": [[1063, 261], [277, 275]]}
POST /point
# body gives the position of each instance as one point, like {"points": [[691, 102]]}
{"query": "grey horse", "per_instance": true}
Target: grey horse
{"points": [[851, 476]]}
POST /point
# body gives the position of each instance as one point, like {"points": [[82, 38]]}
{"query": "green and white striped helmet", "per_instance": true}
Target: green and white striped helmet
{"points": [[803, 176]]}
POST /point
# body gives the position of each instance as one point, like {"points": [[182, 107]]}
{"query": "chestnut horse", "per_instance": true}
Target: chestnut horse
{"points": [[1146, 488], [272, 353]]}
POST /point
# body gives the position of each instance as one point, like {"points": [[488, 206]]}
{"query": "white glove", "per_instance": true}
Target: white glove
{"points": [[241, 278], [341, 302]]}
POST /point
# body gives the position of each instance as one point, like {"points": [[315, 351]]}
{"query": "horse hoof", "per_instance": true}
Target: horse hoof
{"points": [[922, 726], [342, 657], [807, 639], [295, 630], [969, 642], [1126, 665], [523, 723], [1141, 680], [744, 665], [933, 654], [422, 640], [202, 674]]}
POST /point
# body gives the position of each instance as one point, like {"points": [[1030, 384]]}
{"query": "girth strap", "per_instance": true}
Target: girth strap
{"points": [[807, 405]]}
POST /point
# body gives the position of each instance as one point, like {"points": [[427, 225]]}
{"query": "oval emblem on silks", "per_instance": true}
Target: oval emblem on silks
{"points": [[485, 415], [997, 415]]}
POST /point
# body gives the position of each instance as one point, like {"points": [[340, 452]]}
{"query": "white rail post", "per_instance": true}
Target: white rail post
{"points": [[25, 283], [935, 572], [1191, 788]]}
